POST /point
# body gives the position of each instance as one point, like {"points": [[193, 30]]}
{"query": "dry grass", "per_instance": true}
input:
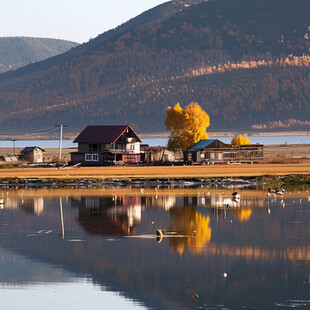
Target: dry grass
{"points": [[279, 160], [158, 172]]}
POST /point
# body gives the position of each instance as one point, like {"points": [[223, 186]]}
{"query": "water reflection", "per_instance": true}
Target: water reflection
{"points": [[261, 245], [194, 226], [117, 216]]}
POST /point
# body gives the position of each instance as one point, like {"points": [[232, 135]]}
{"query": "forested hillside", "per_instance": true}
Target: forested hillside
{"points": [[245, 62], [16, 52]]}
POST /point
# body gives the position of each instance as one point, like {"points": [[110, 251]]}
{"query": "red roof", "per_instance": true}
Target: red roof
{"points": [[102, 134]]}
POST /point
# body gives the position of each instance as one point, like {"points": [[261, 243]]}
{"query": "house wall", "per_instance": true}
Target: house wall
{"points": [[161, 155], [36, 156], [135, 147]]}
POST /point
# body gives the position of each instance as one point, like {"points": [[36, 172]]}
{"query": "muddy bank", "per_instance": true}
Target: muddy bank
{"points": [[219, 182]]}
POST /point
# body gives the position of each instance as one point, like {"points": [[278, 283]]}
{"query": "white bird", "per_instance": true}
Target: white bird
{"points": [[236, 196], [280, 192]]}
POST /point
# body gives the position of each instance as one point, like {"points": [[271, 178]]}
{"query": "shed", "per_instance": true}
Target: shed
{"points": [[33, 154]]}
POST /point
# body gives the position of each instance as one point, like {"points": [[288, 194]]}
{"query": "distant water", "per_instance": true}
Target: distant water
{"points": [[160, 141], [262, 140]]}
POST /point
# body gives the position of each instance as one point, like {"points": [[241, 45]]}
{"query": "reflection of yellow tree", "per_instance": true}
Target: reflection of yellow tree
{"points": [[243, 215], [192, 224]]}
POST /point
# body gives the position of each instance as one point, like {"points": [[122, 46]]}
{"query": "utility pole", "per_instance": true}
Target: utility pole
{"points": [[60, 140], [13, 140]]}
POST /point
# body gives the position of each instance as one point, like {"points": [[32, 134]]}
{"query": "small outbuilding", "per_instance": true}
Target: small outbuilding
{"points": [[159, 155], [215, 151], [33, 154]]}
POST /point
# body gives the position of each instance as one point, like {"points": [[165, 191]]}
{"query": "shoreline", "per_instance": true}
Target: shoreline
{"points": [[72, 136]]}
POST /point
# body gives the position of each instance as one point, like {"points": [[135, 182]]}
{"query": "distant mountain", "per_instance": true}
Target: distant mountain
{"points": [[16, 52], [246, 62]]}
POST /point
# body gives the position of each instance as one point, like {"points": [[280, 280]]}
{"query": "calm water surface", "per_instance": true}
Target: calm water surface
{"points": [[98, 248]]}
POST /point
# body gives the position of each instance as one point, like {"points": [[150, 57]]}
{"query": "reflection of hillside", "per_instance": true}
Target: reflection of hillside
{"points": [[194, 226], [109, 216], [295, 254]]}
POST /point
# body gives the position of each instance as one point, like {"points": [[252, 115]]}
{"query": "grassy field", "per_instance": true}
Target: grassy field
{"points": [[244, 170], [278, 160]]}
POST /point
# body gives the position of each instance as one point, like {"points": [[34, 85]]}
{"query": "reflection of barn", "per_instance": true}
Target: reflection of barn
{"points": [[100, 145], [215, 151], [110, 215]]}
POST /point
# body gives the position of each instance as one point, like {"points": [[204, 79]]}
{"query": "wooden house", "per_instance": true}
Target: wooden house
{"points": [[215, 151], [33, 154], [107, 145]]}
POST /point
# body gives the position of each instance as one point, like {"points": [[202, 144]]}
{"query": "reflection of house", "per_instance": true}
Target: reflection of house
{"points": [[215, 151], [110, 216], [100, 145], [34, 205], [33, 154]]}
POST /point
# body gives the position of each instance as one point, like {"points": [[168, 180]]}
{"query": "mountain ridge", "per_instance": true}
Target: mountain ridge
{"points": [[245, 62], [16, 52]]}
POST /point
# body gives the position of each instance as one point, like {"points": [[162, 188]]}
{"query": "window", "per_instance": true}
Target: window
{"points": [[87, 157], [95, 157], [92, 203]]}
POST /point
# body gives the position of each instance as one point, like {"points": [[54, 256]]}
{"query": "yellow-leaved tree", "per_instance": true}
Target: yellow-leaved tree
{"points": [[188, 126], [240, 140]]}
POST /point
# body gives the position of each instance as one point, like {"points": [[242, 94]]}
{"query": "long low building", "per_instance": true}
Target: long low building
{"points": [[215, 151]]}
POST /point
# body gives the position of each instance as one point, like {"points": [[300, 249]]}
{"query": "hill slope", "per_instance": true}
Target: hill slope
{"points": [[17, 52], [246, 62]]}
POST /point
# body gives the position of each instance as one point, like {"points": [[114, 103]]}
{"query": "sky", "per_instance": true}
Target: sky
{"points": [[73, 20]]}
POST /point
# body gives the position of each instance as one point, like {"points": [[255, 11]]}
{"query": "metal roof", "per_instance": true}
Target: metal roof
{"points": [[102, 134], [201, 145]]}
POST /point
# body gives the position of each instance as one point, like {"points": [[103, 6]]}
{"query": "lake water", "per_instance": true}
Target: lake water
{"points": [[97, 248], [160, 141]]}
